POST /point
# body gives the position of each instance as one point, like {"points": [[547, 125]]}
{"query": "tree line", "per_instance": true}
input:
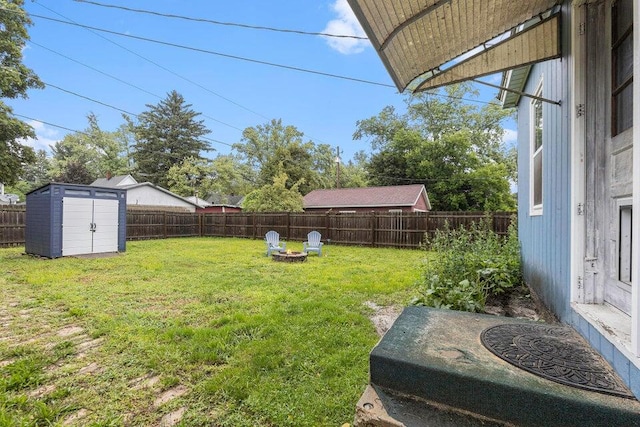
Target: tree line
{"points": [[453, 147]]}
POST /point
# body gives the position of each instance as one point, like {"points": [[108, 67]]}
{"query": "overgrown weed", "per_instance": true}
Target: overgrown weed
{"points": [[471, 265]]}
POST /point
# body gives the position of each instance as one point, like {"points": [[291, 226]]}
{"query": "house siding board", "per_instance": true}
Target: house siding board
{"points": [[545, 238]]}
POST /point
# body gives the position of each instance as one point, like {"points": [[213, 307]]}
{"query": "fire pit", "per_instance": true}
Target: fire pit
{"points": [[289, 256]]}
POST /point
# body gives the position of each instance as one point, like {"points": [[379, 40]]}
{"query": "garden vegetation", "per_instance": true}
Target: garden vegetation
{"points": [[471, 265]]}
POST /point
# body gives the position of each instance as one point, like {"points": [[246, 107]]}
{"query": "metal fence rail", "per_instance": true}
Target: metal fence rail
{"points": [[400, 230]]}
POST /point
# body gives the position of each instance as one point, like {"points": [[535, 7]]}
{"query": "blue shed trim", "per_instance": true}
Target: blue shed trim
{"points": [[43, 233]]}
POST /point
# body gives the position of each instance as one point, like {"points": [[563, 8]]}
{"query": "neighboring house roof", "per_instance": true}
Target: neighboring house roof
{"points": [[114, 181], [9, 199], [121, 182], [198, 201], [397, 195], [224, 200]]}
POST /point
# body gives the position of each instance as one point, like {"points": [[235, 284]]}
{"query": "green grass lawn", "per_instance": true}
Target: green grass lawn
{"points": [[206, 330]]}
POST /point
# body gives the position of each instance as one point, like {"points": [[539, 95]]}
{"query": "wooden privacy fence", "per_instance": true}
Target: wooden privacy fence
{"points": [[12, 220], [401, 230]]}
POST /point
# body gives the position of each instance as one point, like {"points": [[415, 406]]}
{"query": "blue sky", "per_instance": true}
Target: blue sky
{"points": [[231, 94]]}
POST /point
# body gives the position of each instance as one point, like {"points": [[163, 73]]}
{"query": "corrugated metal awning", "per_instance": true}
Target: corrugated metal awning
{"points": [[420, 40]]}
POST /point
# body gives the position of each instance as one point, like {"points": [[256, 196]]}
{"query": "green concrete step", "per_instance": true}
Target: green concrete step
{"points": [[436, 357]]}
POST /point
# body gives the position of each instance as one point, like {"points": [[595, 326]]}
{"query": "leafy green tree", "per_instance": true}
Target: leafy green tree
{"points": [[15, 80], [37, 173], [353, 173], [273, 148], [223, 175], [166, 134], [274, 197], [83, 157], [75, 172], [230, 177], [453, 147]]}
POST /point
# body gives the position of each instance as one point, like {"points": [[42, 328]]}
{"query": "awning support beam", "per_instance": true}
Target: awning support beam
{"points": [[517, 92], [410, 20]]}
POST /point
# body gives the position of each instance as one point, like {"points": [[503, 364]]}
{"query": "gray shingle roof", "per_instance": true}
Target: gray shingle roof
{"points": [[398, 195]]}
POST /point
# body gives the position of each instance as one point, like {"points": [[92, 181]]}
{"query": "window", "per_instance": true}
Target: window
{"points": [[621, 66], [536, 154], [624, 245]]}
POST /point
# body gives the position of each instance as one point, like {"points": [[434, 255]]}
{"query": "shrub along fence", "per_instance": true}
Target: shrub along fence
{"points": [[382, 229]]}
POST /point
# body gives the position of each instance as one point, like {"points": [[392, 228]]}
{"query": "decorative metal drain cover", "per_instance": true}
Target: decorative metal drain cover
{"points": [[555, 353]]}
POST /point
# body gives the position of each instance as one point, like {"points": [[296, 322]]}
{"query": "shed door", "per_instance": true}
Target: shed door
{"points": [[77, 216], [89, 226], [105, 218]]}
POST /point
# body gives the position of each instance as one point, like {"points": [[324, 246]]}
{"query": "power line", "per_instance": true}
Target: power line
{"points": [[157, 65], [90, 99], [118, 109], [211, 52], [94, 69], [236, 57], [122, 81], [49, 124], [231, 24]]}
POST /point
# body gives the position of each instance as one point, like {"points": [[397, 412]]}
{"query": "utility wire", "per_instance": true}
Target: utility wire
{"points": [[121, 81], [117, 108], [211, 52], [234, 57], [89, 99], [156, 64], [231, 24], [94, 69], [49, 124]]}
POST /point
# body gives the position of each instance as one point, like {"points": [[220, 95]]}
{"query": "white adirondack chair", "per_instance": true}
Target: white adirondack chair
{"points": [[272, 240], [313, 243]]}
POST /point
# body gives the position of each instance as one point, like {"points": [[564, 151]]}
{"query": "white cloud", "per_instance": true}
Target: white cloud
{"points": [[510, 137], [346, 23], [45, 136]]}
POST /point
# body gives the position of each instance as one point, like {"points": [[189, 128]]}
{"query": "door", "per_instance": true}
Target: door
{"points": [[77, 220], [608, 152], [89, 226], [105, 231]]}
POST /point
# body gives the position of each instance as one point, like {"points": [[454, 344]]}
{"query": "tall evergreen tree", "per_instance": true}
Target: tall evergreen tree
{"points": [[166, 134], [15, 80]]}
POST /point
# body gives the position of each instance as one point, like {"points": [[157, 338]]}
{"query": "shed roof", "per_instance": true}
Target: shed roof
{"points": [[398, 195], [418, 39]]}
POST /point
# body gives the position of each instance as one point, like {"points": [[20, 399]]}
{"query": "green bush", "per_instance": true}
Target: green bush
{"points": [[469, 266]]}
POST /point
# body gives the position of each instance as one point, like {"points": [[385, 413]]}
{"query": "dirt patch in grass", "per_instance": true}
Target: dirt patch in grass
{"points": [[383, 317]]}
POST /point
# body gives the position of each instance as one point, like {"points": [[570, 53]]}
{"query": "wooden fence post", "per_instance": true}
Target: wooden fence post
{"points": [[164, 224], [255, 226], [426, 226], [288, 225], [326, 225], [224, 224], [373, 228]]}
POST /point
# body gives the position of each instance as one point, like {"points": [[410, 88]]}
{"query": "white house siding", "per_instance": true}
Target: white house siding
{"points": [[149, 196]]}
